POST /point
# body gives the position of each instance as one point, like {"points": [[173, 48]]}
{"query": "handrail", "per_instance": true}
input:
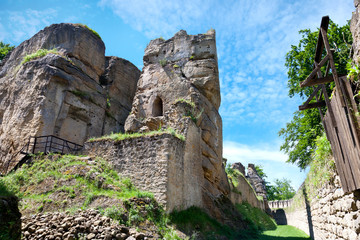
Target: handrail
{"points": [[37, 144]]}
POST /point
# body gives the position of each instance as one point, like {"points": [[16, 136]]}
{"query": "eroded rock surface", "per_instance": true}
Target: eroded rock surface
{"points": [[74, 94], [180, 80]]}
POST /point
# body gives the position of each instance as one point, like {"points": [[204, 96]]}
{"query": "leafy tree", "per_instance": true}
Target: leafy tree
{"points": [[300, 134], [282, 190], [4, 49]]}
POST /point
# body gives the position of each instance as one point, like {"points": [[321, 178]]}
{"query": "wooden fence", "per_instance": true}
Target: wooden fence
{"points": [[341, 121]]}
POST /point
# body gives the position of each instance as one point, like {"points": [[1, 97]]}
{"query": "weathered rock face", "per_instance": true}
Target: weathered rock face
{"points": [[61, 94], [180, 80], [256, 181]]}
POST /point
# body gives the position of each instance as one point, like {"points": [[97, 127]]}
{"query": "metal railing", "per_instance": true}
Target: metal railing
{"points": [[46, 144]]}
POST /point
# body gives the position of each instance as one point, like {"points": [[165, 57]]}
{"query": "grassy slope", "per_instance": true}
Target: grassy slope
{"points": [[67, 183]]}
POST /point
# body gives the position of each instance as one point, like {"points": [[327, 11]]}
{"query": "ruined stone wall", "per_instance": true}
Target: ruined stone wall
{"points": [[74, 94], [331, 215], [150, 162], [161, 164], [243, 192]]}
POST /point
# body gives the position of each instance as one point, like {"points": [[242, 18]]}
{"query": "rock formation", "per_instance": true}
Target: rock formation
{"points": [[74, 94], [179, 88], [180, 79], [256, 181]]}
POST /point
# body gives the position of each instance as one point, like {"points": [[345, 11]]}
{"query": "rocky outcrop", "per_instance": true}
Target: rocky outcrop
{"points": [[256, 181], [10, 218], [75, 93], [87, 224], [180, 80]]}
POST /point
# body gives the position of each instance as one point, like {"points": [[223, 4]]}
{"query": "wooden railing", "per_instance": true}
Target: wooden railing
{"points": [[46, 144]]}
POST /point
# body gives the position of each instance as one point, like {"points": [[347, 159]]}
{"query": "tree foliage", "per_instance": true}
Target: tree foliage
{"points": [[300, 134], [282, 190], [4, 49]]}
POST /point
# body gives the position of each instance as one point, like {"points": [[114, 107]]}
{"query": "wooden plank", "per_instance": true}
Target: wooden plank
{"points": [[336, 151], [317, 81], [352, 128], [338, 156], [341, 157], [310, 78], [312, 105], [344, 141]]}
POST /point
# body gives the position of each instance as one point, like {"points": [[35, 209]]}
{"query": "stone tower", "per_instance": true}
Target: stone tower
{"points": [[179, 88]]}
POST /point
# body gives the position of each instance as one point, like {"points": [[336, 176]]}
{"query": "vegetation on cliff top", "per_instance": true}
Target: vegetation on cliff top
{"points": [[300, 134], [92, 30], [123, 136]]}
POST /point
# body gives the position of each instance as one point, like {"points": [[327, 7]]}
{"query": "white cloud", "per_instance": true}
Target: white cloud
{"points": [[236, 152], [22, 25]]}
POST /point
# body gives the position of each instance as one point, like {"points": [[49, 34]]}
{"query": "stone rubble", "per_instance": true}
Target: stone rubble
{"points": [[88, 224]]}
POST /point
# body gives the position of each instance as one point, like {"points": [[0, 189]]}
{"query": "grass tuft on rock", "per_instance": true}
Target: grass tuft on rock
{"points": [[39, 54], [123, 136]]}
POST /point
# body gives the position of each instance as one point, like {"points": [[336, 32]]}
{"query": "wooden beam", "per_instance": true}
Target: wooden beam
{"points": [[317, 81], [332, 66], [314, 72], [320, 44], [312, 95], [312, 105]]}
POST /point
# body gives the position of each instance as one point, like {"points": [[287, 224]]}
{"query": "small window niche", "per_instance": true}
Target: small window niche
{"points": [[157, 109]]}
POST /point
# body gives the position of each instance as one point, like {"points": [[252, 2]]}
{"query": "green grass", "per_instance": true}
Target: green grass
{"points": [[38, 54], [256, 216], [284, 232], [87, 181], [68, 183], [195, 222], [123, 136]]}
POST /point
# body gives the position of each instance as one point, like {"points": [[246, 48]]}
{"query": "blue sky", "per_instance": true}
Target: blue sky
{"points": [[252, 40]]}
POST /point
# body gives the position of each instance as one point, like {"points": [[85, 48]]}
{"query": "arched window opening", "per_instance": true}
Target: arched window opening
{"points": [[157, 107]]}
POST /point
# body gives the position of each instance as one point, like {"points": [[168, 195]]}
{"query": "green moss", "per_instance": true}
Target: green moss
{"points": [[163, 62], [123, 136]]}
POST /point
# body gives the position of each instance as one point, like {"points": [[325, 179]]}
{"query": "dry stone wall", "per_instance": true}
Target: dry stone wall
{"points": [[74, 94], [331, 215]]}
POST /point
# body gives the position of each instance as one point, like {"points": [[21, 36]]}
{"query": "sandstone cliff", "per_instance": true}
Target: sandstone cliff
{"points": [[73, 93]]}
